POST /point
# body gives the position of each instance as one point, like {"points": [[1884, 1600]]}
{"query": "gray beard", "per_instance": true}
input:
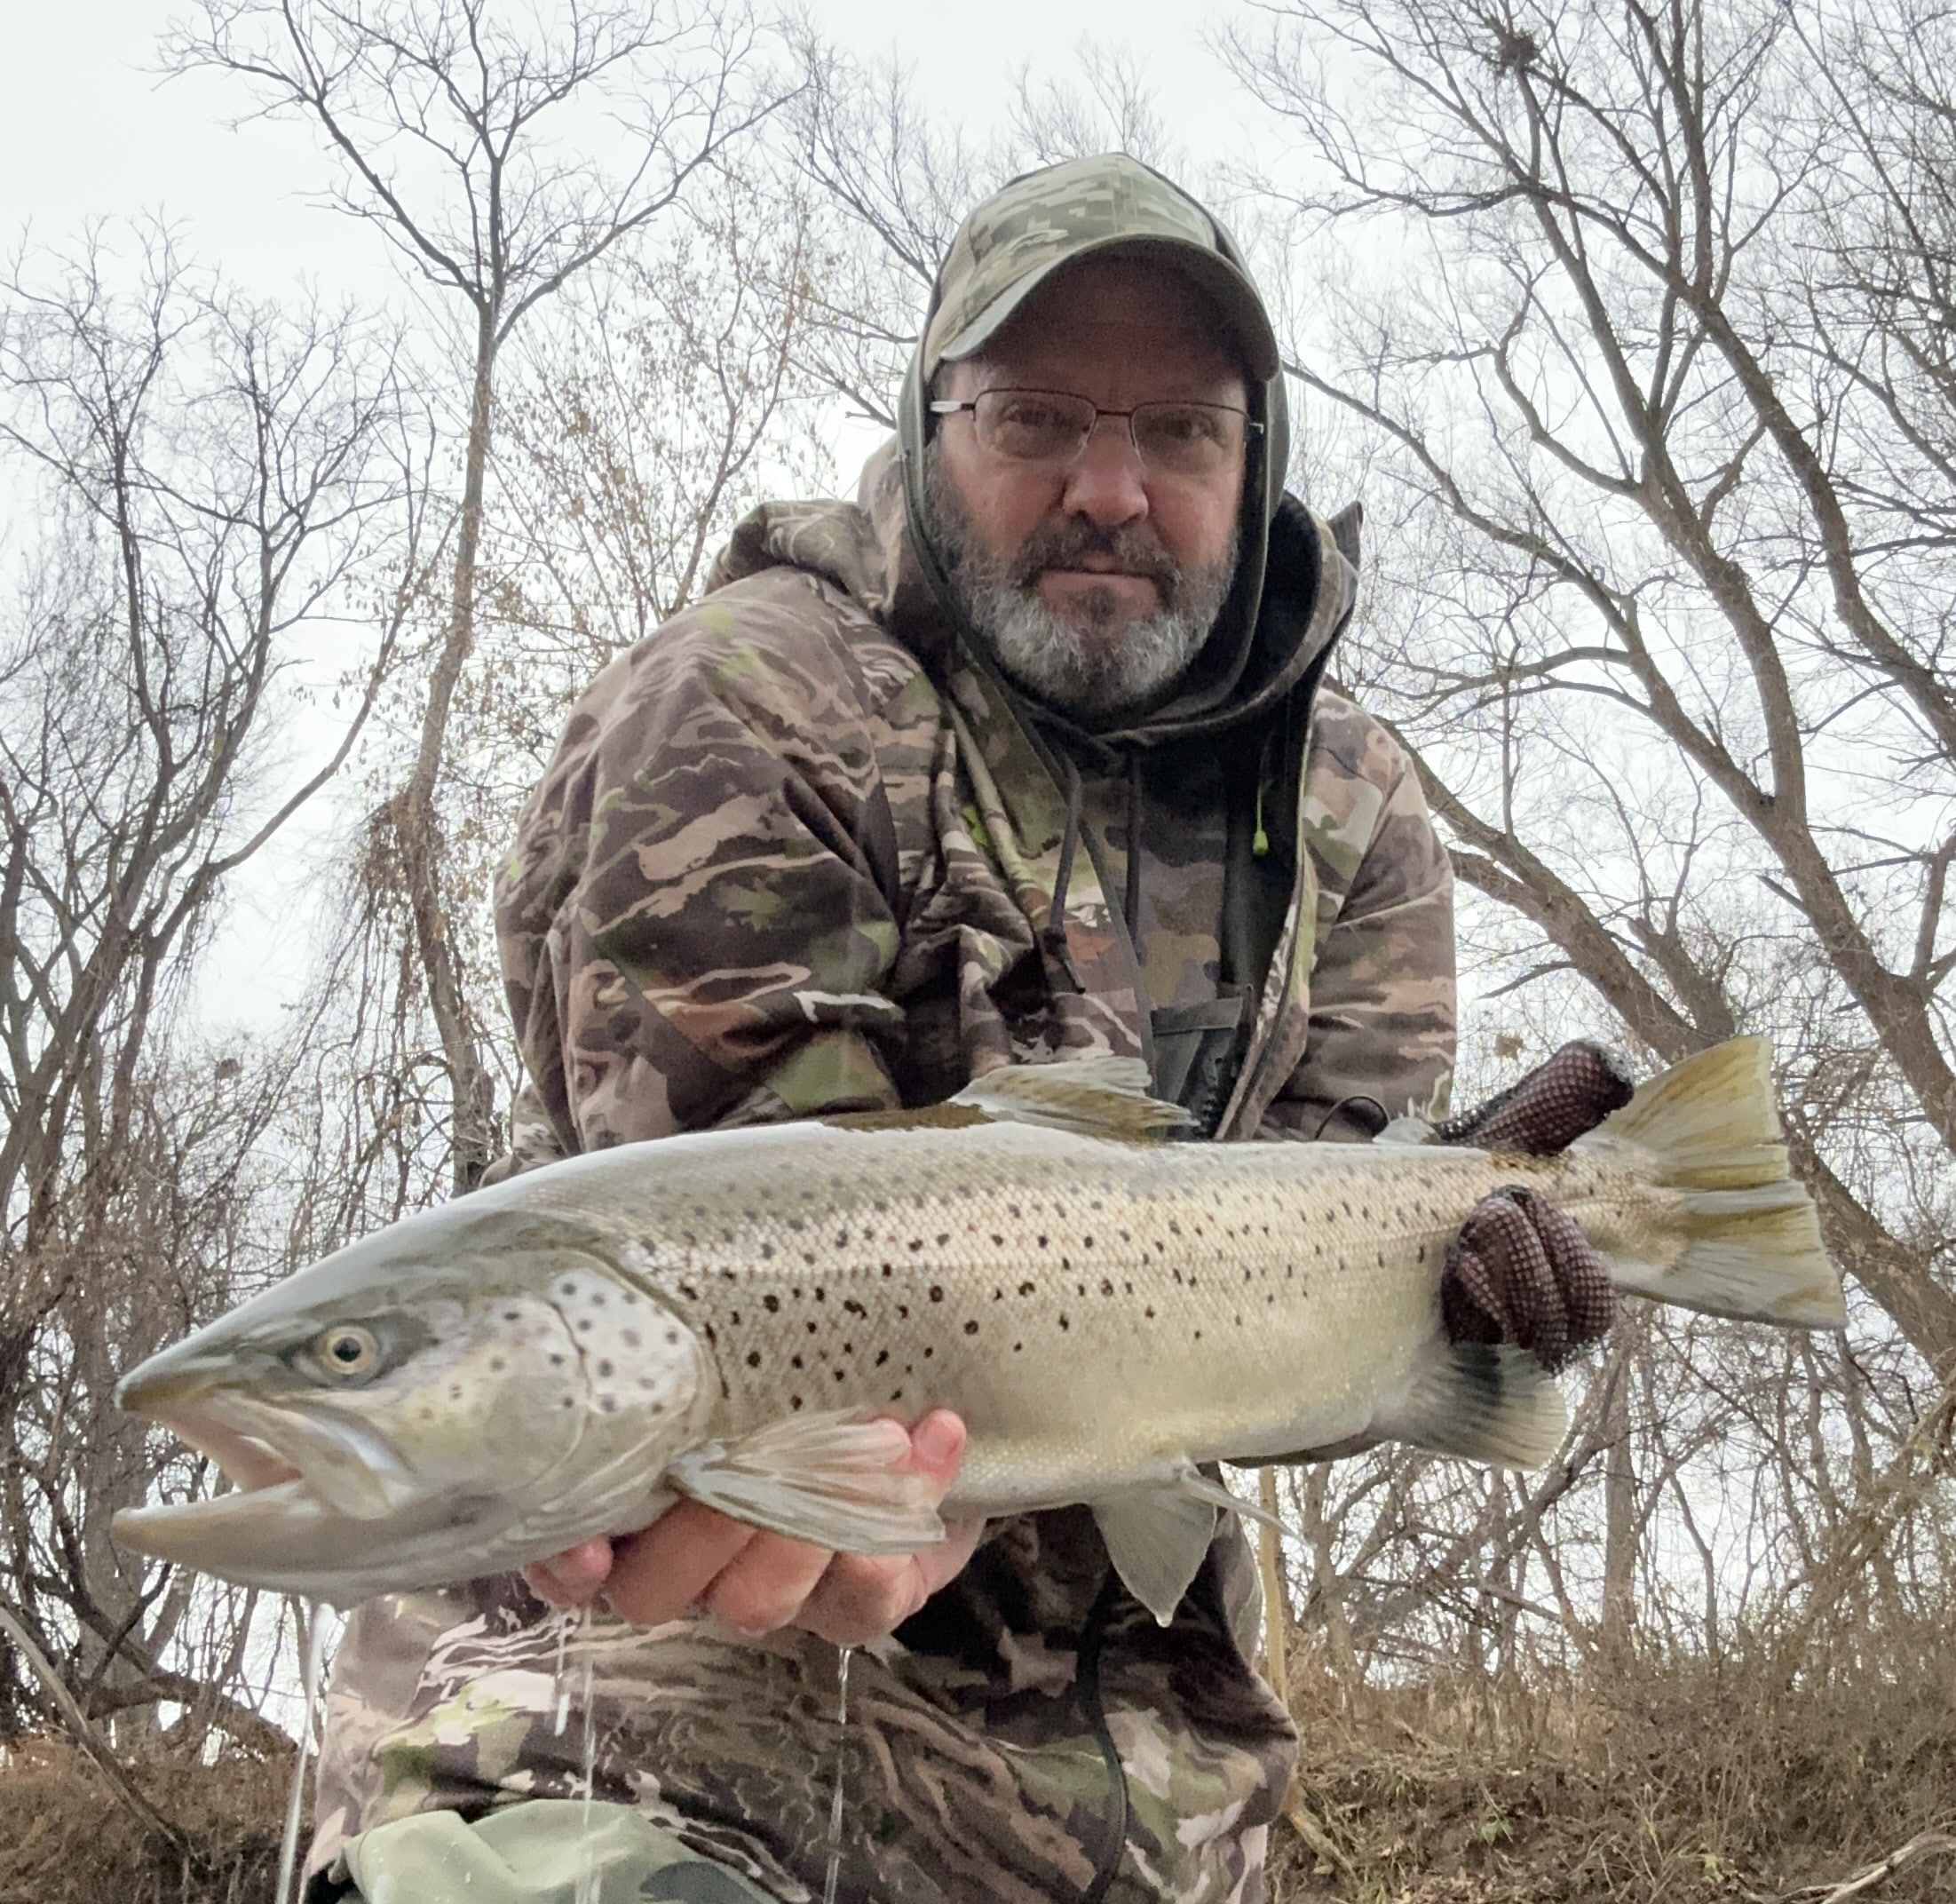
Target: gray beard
{"points": [[1084, 670]]}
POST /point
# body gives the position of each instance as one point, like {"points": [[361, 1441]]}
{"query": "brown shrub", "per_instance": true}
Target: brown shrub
{"points": [[1637, 1780], [66, 1838]]}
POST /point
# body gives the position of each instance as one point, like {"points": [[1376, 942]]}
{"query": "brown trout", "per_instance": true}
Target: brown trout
{"points": [[734, 1315]]}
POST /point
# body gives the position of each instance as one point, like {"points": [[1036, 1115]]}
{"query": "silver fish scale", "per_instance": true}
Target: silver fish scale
{"points": [[1094, 1310]]}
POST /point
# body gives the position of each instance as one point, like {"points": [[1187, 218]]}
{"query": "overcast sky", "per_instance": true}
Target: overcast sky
{"points": [[87, 130]]}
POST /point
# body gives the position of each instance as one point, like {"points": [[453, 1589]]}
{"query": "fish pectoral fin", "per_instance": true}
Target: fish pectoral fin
{"points": [[1091, 1096], [834, 1480], [1497, 1405], [1156, 1538]]}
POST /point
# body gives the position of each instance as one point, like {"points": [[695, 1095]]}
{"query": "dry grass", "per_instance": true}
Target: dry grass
{"points": [[66, 1838], [1641, 1780]]}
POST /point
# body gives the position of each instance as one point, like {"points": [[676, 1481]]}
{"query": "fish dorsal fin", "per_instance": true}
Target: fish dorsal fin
{"points": [[1091, 1096]]}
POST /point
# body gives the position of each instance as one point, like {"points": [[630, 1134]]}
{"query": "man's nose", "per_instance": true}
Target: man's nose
{"points": [[1109, 484]]}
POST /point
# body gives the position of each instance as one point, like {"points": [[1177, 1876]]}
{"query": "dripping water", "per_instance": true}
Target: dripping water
{"points": [[295, 1803], [565, 1617], [587, 1863], [833, 1876]]}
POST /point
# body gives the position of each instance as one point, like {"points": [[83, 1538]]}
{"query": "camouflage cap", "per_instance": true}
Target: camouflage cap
{"points": [[1043, 220]]}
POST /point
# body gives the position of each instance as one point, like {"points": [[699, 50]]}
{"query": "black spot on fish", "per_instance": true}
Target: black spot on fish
{"points": [[1106, 1288], [849, 1348], [794, 1361], [1149, 1313], [842, 1239], [903, 1310], [1126, 1288], [767, 1250], [754, 1358], [821, 1294], [583, 1328], [916, 1243], [603, 1371], [708, 1334], [838, 1375], [1043, 1242], [850, 1306], [1011, 1211], [556, 1361], [1064, 1323], [794, 1401], [998, 1242], [971, 1328], [772, 1304], [497, 1365], [1086, 1242], [512, 1316], [568, 1287], [895, 1395], [455, 1394], [631, 1336], [889, 1270], [808, 1257], [882, 1356], [811, 1325], [928, 1353], [607, 1404], [937, 1292], [687, 1290]]}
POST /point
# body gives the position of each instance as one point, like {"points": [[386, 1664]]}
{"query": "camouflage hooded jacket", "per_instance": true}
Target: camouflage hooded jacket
{"points": [[801, 851]]}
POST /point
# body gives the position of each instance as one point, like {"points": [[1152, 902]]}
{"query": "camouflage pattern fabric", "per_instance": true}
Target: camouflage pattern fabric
{"points": [[777, 869], [798, 852]]}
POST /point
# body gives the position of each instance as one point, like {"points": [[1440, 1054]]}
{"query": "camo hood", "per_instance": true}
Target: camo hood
{"points": [[1016, 241]]}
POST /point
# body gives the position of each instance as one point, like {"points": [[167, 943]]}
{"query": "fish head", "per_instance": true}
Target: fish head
{"points": [[459, 1394]]}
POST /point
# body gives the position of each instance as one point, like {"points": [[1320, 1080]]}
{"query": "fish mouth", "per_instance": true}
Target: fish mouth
{"points": [[305, 1480]]}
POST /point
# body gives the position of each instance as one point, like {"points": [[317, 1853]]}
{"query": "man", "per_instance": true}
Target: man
{"points": [[1025, 755]]}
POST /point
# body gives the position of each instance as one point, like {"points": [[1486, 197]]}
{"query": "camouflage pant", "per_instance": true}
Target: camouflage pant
{"points": [[549, 1851], [959, 1785]]}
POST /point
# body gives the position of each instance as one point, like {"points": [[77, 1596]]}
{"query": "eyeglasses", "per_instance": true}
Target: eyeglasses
{"points": [[1189, 440]]}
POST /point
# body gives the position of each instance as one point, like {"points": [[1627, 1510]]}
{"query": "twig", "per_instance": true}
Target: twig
{"points": [[85, 1735], [1926, 1844]]}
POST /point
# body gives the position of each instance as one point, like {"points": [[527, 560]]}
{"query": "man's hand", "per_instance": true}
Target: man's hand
{"points": [[756, 1582], [1520, 1271]]}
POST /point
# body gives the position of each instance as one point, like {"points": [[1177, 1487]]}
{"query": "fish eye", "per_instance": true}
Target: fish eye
{"points": [[347, 1352]]}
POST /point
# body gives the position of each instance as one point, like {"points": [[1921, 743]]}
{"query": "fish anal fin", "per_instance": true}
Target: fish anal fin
{"points": [[1092, 1097], [1497, 1405], [834, 1480]]}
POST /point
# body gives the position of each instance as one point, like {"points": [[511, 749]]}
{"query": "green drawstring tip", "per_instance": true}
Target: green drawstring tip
{"points": [[1259, 845]]}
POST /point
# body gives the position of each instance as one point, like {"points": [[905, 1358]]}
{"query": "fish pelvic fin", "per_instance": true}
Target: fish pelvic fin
{"points": [[1493, 1404], [833, 1479], [1710, 1126], [1090, 1097], [1157, 1537]]}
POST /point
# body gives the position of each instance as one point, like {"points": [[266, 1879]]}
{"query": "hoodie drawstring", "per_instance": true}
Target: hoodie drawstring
{"points": [[1131, 900], [1053, 939]]}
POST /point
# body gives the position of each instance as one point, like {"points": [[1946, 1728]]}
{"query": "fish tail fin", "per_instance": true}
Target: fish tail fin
{"points": [[1710, 1128], [1496, 1404]]}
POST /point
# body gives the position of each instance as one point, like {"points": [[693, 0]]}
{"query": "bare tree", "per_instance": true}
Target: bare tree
{"points": [[500, 150], [1634, 321], [213, 477]]}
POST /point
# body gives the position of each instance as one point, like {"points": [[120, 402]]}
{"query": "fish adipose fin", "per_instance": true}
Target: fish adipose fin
{"points": [[1157, 1537], [1091, 1096], [1496, 1404], [1753, 1245], [833, 1479]]}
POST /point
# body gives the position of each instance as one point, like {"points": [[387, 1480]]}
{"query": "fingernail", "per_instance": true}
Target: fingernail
{"points": [[936, 1439]]}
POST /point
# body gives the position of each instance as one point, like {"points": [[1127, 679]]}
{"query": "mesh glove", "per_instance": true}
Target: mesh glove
{"points": [[1520, 1271]]}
